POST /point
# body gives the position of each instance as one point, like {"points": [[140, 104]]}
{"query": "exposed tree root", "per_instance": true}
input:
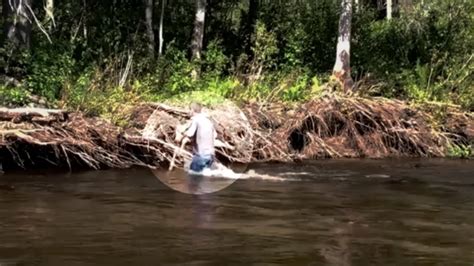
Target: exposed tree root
{"points": [[330, 127], [30, 138], [357, 127], [157, 134]]}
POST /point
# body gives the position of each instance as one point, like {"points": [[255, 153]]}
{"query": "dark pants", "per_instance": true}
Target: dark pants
{"points": [[200, 162]]}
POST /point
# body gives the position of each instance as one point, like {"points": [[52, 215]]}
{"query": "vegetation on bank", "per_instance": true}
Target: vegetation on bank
{"points": [[266, 52], [105, 57]]}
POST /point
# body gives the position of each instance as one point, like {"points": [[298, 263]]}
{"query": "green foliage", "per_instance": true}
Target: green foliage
{"points": [[294, 86], [294, 48], [419, 84], [460, 151], [207, 98], [13, 96], [265, 46], [215, 61], [425, 55], [297, 91], [316, 88], [96, 97], [49, 69], [175, 72], [222, 87], [282, 51], [301, 87], [256, 91], [425, 83]]}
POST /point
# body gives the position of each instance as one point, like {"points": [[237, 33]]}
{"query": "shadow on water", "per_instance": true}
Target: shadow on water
{"points": [[338, 212]]}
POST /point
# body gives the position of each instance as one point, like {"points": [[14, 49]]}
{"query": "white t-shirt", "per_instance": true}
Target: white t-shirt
{"points": [[203, 130]]}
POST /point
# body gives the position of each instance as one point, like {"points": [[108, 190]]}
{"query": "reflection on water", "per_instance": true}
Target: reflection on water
{"points": [[338, 213], [181, 181]]}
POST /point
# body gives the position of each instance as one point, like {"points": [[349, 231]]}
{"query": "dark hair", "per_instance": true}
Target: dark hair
{"points": [[196, 107]]}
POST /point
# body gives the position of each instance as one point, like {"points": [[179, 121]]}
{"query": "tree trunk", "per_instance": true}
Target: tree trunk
{"points": [[357, 5], [250, 25], [389, 9], [198, 33], [342, 70], [160, 48], [49, 9], [17, 19], [149, 27]]}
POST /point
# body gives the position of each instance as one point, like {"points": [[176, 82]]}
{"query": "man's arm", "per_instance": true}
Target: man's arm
{"points": [[185, 131], [191, 130]]}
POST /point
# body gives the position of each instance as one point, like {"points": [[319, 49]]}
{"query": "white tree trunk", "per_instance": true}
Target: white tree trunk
{"points": [[49, 9], [149, 27], [342, 66], [160, 48], [198, 34], [357, 5], [389, 9], [17, 22]]}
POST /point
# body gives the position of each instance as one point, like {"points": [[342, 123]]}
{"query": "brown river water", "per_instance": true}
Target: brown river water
{"points": [[338, 212]]}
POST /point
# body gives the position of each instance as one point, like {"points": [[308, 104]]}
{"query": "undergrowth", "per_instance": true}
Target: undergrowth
{"points": [[423, 56]]}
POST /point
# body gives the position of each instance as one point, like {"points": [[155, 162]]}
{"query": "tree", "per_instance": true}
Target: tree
{"points": [[149, 27], [49, 9], [250, 23], [18, 23], [341, 70], [389, 9], [161, 40], [198, 33]]}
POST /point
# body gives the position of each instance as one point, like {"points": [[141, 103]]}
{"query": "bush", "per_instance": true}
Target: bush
{"points": [[215, 62], [460, 151], [49, 69], [13, 96], [172, 74], [96, 97]]}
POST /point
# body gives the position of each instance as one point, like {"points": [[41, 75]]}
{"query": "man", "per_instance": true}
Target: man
{"points": [[202, 132]]}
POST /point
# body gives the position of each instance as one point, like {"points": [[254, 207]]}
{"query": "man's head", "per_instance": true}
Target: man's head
{"points": [[195, 108]]}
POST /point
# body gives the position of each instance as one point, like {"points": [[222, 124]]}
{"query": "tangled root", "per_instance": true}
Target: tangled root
{"points": [[325, 128]]}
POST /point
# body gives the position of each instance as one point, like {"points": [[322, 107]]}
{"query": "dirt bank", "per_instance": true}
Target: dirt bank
{"points": [[325, 128]]}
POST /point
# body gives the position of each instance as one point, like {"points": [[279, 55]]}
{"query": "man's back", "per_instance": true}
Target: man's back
{"points": [[203, 131]]}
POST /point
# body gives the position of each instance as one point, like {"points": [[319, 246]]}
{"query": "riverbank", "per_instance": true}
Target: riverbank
{"points": [[330, 127]]}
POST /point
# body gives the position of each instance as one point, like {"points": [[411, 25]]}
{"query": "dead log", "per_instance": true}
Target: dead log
{"points": [[32, 114]]}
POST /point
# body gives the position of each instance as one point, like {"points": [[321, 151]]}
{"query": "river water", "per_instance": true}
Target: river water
{"points": [[338, 212]]}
